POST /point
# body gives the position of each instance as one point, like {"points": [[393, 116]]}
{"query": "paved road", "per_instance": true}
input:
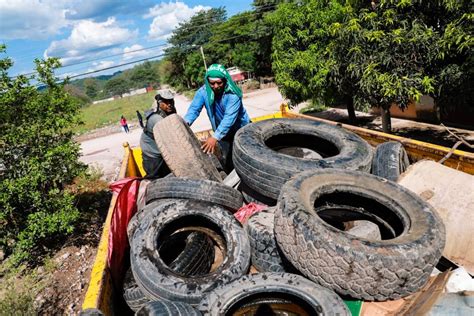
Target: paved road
{"points": [[106, 152]]}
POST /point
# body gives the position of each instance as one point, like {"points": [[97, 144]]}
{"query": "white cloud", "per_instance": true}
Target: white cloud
{"points": [[166, 16], [130, 52], [30, 19], [137, 51], [101, 65], [88, 40]]}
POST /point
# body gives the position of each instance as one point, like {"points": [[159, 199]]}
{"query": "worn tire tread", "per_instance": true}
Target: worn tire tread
{"points": [[201, 190], [181, 150], [362, 269]]}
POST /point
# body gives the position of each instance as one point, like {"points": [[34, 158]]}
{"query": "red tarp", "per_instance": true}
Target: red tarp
{"points": [[125, 208], [248, 210]]}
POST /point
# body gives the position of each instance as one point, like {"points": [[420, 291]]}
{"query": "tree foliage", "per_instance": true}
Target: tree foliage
{"points": [[91, 88], [186, 40], [38, 158], [243, 40], [116, 86], [301, 57], [374, 54]]}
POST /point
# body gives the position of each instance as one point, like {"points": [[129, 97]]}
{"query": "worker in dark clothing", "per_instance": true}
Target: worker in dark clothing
{"points": [[153, 163]]}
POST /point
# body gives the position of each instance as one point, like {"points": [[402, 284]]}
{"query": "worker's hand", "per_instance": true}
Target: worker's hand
{"points": [[209, 147]]}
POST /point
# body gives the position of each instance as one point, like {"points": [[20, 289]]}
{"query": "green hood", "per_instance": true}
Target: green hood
{"points": [[219, 71]]}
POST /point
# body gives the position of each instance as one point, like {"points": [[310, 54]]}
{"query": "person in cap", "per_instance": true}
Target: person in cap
{"points": [[153, 163], [223, 101]]}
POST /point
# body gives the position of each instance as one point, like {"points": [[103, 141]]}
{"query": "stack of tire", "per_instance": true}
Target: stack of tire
{"points": [[190, 256], [320, 200]]}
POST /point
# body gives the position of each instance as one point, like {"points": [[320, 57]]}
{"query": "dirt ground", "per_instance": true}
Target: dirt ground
{"points": [[68, 283], [431, 133], [66, 286]]}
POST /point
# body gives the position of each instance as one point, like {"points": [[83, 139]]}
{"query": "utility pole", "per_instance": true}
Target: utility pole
{"points": [[203, 58]]}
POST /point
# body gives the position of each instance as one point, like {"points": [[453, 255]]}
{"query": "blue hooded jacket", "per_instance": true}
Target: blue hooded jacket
{"points": [[226, 114]]}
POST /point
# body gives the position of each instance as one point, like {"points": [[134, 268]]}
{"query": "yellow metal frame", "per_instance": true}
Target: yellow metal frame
{"points": [[416, 150], [100, 294]]}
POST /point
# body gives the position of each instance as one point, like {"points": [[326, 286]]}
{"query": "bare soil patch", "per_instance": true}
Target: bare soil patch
{"points": [[67, 285]]}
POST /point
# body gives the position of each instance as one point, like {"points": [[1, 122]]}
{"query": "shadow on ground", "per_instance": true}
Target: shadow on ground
{"points": [[434, 134]]}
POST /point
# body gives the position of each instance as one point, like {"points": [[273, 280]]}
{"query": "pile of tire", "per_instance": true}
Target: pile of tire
{"points": [[321, 197], [268, 153], [189, 255]]}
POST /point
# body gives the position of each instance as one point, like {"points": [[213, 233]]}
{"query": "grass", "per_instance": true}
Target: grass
{"points": [[20, 286], [108, 113], [314, 107]]}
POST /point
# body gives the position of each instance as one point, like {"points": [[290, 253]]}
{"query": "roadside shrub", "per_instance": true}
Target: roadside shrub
{"points": [[38, 158]]}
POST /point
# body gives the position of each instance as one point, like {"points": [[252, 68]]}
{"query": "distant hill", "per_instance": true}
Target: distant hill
{"points": [[139, 76], [80, 82]]}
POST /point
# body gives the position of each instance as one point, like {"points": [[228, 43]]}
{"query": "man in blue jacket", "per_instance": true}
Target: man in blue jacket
{"points": [[223, 101]]}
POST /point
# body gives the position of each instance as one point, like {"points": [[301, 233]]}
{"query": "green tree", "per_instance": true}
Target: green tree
{"points": [[302, 59], [453, 66], [373, 54], [187, 38], [234, 43], [116, 86], [386, 57], [143, 75], [91, 87], [38, 158]]}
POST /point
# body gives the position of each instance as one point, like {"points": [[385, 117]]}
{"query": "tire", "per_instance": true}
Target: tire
{"points": [[265, 254], [187, 253], [391, 268], [195, 258], [156, 279], [254, 293], [390, 160], [252, 196], [167, 308], [181, 150], [140, 214], [132, 294], [265, 170], [200, 190]]}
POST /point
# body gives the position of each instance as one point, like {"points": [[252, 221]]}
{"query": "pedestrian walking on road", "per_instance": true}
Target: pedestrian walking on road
{"points": [[123, 122], [223, 101]]}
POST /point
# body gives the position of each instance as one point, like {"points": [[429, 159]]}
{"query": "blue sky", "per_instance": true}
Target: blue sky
{"points": [[85, 34]]}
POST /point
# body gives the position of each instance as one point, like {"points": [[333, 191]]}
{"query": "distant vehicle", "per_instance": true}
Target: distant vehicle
{"points": [[237, 75]]}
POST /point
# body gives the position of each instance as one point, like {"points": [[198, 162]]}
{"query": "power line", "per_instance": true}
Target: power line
{"points": [[114, 55], [144, 59], [140, 60], [256, 11], [112, 67], [146, 48], [103, 57], [187, 48]]}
